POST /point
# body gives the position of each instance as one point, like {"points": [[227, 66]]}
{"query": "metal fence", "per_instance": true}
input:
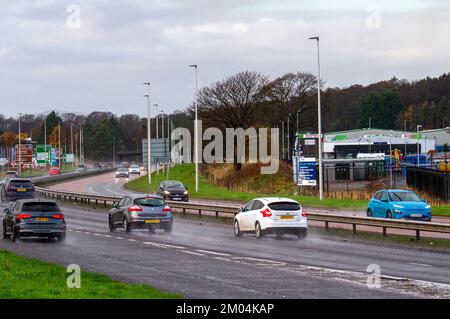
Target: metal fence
{"points": [[432, 182]]}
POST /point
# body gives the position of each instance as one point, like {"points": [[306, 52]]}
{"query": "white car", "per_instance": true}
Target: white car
{"points": [[134, 169], [271, 215]]}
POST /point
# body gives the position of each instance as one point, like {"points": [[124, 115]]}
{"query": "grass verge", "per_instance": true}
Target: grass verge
{"points": [[23, 278], [186, 174]]}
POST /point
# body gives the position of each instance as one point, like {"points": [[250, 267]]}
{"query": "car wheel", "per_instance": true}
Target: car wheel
{"points": [[14, 235], [237, 229], [111, 225], [5, 235], [302, 234], [61, 238], [389, 214], [168, 228], [369, 213], [126, 225], [258, 231]]}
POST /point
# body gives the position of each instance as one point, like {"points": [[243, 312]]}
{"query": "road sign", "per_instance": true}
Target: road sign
{"points": [[26, 154], [43, 154], [160, 150], [69, 158], [307, 175], [310, 142], [308, 136]]}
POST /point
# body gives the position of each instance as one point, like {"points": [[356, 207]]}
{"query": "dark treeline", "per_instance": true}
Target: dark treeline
{"points": [[250, 99]]}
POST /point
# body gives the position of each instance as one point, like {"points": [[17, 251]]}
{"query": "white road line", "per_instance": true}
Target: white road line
{"points": [[108, 236], [420, 265], [97, 234], [87, 233], [78, 231], [212, 253], [132, 240], [191, 253], [170, 246], [118, 237]]}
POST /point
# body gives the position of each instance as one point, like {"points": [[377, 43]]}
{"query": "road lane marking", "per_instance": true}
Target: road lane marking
{"points": [[118, 237], [191, 253], [420, 265], [131, 239], [108, 236], [212, 253]]}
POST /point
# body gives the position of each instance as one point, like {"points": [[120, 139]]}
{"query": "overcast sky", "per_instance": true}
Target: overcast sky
{"points": [[51, 60]]}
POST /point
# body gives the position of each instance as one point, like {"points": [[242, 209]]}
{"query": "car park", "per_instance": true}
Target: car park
{"points": [[264, 216], [54, 171], [17, 188], [33, 218], [173, 190], [150, 212], [122, 172], [399, 204], [135, 169]]}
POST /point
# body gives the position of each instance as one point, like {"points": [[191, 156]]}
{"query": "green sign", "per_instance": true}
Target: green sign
{"points": [[43, 154]]}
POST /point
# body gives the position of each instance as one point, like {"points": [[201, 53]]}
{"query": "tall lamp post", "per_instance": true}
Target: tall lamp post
{"points": [[418, 149], [156, 118], [195, 66], [20, 147], [149, 163], [319, 117]]}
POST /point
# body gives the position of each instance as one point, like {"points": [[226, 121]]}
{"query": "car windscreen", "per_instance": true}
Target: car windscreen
{"points": [[150, 202], [173, 184], [40, 207], [404, 197], [122, 170], [19, 183], [286, 206]]}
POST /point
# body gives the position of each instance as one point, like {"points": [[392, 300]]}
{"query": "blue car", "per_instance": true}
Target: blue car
{"points": [[399, 204]]}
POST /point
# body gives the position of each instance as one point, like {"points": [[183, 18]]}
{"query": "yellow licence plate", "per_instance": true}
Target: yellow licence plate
{"points": [[287, 217], [41, 219], [152, 221], [21, 189]]}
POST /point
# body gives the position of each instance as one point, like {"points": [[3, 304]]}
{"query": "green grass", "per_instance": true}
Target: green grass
{"points": [[23, 278], [186, 174]]}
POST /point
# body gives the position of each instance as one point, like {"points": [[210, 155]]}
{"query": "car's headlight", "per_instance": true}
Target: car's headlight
{"points": [[166, 193], [428, 207], [185, 192]]}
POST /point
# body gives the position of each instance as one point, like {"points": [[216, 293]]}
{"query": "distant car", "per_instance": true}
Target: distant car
{"points": [[135, 169], [109, 165], [399, 204], [173, 190], [54, 171], [11, 174], [17, 188], [34, 218], [81, 168], [125, 165], [122, 173], [97, 166], [271, 215], [149, 212]]}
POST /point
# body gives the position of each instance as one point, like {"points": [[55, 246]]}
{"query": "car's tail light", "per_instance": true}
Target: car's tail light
{"points": [[23, 216], [167, 209], [304, 214], [58, 216], [135, 209], [266, 213]]}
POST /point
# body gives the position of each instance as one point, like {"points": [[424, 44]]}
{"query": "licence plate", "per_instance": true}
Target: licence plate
{"points": [[152, 221], [21, 189], [416, 215], [176, 198], [41, 219], [287, 217]]}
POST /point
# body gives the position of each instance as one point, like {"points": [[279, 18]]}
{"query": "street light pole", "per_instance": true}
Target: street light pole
{"points": [[319, 116], [20, 148], [195, 66], [418, 149], [156, 118], [59, 145], [288, 137], [149, 163]]}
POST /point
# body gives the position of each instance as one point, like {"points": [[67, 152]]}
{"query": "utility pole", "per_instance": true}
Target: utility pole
{"points": [[20, 148], [149, 137], [59, 146], [47, 157], [195, 66], [319, 117]]}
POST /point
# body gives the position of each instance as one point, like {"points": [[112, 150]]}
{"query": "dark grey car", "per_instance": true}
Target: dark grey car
{"points": [[139, 212], [34, 218], [173, 190]]}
